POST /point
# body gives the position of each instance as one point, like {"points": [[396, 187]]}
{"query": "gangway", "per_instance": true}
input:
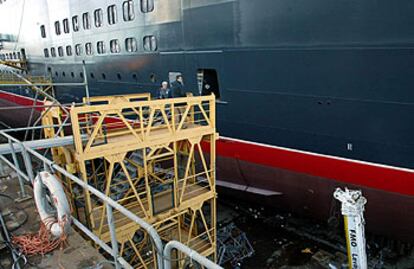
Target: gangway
{"points": [[154, 157]]}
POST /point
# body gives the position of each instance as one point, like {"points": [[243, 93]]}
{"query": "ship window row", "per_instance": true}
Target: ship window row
{"points": [[10, 56], [103, 75], [130, 45], [128, 12]]}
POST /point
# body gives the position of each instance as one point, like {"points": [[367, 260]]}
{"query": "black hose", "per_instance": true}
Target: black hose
{"points": [[7, 196], [18, 208]]}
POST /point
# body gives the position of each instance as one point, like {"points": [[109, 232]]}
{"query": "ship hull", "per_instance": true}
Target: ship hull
{"points": [[297, 181], [386, 213], [17, 110], [304, 182]]}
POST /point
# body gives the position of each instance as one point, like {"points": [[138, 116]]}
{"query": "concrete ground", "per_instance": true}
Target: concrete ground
{"points": [[22, 218]]}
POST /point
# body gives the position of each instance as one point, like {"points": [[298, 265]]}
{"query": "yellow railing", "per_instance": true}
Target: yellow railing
{"points": [[7, 78], [109, 126]]}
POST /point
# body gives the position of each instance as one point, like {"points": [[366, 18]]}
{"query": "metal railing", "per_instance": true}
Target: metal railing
{"points": [[30, 155]]}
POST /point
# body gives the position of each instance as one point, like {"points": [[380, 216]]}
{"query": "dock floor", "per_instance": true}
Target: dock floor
{"points": [[78, 253]]}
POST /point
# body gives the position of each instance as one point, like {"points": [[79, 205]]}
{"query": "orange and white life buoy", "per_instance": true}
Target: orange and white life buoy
{"points": [[58, 219]]}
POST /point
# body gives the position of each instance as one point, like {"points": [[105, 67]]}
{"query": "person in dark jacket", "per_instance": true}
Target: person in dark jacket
{"points": [[177, 87], [177, 90]]}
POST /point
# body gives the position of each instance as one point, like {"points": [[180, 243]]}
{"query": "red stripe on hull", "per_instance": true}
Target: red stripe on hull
{"points": [[19, 99], [347, 171]]}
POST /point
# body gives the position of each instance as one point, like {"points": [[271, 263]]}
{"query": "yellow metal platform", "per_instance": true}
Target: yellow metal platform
{"points": [[154, 157]]}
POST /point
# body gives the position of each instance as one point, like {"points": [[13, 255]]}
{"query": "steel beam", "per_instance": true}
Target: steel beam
{"points": [[37, 144], [192, 254]]}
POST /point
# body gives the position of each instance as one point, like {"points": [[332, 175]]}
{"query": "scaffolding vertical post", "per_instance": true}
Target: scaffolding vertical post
{"points": [[27, 162], [352, 208], [85, 81], [114, 242], [22, 193]]}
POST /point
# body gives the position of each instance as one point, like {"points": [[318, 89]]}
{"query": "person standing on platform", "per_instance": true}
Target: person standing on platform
{"points": [[177, 90], [177, 87], [164, 91]]}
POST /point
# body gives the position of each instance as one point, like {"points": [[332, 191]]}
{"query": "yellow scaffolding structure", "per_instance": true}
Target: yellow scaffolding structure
{"points": [[15, 63], [7, 78], [154, 157]]}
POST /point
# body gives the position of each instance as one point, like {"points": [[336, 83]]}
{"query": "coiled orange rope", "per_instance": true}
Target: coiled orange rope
{"points": [[38, 243]]}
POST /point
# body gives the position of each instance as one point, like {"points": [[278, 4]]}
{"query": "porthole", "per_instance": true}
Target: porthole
{"points": [[92, 75], [103, 76], [63, 74], [72, 74], [81, 74], [119, 76], [134, 76], [153, 78], [56, 74]]}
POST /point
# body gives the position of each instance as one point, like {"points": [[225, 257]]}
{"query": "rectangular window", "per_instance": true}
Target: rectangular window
{"points": [[112, 17], [86, 21], [43, 31], [128, 10], [150, 43], [69, 50], [131, 44], [78, 49], [53, 52], [75, 23], [147, 6], [114, 44], [60, 51], [98, 14], [100, 47], [88, 48], [66, 26], [46, 52], [57, 27]]}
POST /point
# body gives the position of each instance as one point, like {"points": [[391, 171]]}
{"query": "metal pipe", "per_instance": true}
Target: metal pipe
{"points": [[4, 159], [36, 106], [192, 254], [32, 111], [36, 144], [101, 243], [34, 128], [42, 84], [40, 118], [28, 163], [114, 242], [41, 91], [62, 126], [16, 163], [85, 81]]}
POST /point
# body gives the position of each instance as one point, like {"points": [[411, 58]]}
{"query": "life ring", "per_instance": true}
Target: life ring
{"points": [[56, 225]]}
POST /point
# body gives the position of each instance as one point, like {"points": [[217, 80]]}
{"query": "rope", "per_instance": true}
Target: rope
{"points": [[39, 243]]}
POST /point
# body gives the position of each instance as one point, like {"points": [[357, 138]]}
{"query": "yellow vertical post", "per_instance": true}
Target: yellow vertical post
{"points": [[147, 185]]}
